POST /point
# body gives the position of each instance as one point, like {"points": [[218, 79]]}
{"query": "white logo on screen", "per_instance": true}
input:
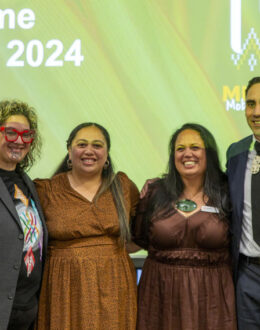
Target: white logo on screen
{"points": [[250, 49]]}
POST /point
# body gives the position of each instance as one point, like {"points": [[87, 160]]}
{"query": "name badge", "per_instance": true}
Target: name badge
{"points": [[210, 209]]}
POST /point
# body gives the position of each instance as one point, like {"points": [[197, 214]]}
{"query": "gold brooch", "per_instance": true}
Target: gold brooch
{"points": [[255, 165]]}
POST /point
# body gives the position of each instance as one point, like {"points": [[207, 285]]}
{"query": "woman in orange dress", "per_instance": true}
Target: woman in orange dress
{"points": [[183, 222], [89, 280]]}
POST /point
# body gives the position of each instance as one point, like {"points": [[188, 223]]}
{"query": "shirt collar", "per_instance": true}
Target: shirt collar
{"points": [[252, 145]]}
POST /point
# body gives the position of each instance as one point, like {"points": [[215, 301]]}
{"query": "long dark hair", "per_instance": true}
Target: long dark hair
{"points": [[170, 187], [109, 180]]}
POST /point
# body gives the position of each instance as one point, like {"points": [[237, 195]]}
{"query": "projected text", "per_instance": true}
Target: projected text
{"points": [[35, 53]]}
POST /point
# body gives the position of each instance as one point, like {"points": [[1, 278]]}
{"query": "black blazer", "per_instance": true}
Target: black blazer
{"points": [[11, 247], [237, 155]]}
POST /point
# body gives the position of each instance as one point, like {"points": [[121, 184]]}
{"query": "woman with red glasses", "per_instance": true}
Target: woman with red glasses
{"points": [[11, 134], [23, 234]]}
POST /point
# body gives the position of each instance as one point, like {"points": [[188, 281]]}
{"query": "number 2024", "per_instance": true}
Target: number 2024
{"points": [[35, 53]]}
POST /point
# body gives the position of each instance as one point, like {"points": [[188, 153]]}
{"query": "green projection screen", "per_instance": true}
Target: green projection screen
{"points": [[141, 68]]}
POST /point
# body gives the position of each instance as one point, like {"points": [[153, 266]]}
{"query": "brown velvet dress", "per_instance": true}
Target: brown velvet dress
{"points": [[89, 280], [186, 283]]}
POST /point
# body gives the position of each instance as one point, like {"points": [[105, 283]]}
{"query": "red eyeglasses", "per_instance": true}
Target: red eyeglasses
{"points": [[11, 134]]}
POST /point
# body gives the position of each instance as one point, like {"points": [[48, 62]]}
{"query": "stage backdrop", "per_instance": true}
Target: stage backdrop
{"points": [[141, 68]]}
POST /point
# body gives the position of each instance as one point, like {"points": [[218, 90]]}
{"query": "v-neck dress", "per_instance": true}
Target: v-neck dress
{"points": [[89, 280], [186, 282]]}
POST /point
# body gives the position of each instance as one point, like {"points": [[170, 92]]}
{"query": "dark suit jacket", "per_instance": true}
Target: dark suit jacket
{"points": [[11, 247], [237, 155]]}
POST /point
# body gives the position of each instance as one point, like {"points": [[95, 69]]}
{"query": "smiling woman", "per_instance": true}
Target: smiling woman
{"points": [[23, 235], [12, 110], [89, 280], [13, 149], [190, 155], [183, 222], [88, 154]]}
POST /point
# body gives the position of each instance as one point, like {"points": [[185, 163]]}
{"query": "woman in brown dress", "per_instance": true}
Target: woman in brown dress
{"points": [[182, 221], [89, 280]]}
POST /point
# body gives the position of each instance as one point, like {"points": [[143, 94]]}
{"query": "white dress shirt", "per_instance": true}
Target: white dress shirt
{"points": [[248, 246]]}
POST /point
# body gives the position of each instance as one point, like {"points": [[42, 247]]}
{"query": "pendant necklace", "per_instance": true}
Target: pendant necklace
{"points": [[186, 205]]}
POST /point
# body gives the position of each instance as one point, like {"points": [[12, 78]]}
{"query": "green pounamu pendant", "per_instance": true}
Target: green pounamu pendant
{"points": [[186, 205]]}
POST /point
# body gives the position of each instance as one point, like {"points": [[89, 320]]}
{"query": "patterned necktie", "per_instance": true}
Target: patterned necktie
{"points": [[255, 199]]}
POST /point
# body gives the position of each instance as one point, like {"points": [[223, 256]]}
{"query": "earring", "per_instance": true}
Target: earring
{"points": [[69, 163], [106, 164]]}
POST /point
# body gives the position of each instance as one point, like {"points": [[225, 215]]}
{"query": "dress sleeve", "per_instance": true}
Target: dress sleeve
{"points": [[131, 192], [140, 223], [43, 187], [134, 198]]}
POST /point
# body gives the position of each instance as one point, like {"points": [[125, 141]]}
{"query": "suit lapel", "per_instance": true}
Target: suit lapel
{"points": [[236, 175], [8, 201], [242, 162], [240, 179]]}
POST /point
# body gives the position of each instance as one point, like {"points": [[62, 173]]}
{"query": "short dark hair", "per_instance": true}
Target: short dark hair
{"points": [[170, 187], [10, 108], [253, 81]]}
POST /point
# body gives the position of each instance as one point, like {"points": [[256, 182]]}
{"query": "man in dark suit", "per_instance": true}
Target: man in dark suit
{"points": [[23, 234], [243, 170]]}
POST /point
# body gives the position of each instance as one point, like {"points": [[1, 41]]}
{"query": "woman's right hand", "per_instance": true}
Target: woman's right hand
{"points": [[146, 186]]}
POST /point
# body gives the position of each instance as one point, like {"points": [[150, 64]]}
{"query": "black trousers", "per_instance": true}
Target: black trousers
{"points": [[248, 296], [22, 319]]}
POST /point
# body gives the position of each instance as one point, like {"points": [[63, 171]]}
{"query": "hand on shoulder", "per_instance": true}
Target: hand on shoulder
{"points": [[146, 187]]}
